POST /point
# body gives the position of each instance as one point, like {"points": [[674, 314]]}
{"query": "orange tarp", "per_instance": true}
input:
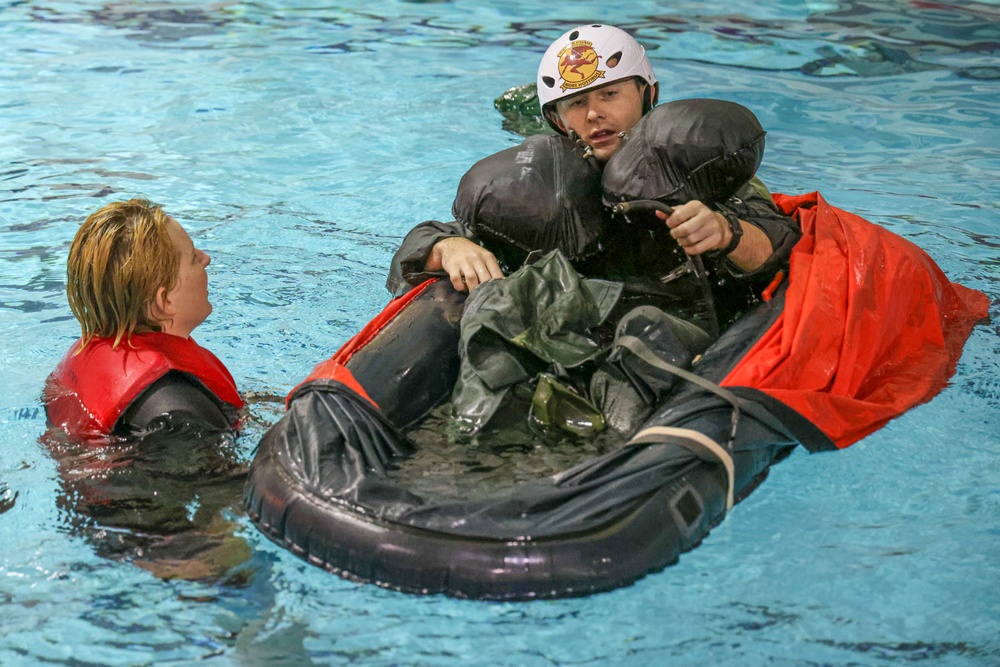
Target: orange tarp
{"points": [[871, 326]]}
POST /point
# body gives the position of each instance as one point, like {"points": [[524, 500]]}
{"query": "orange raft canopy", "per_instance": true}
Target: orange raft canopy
{"points": [[871, 326]]}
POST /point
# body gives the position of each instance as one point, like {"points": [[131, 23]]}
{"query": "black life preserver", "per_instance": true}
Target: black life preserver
{"points": [[695, 149], [547, 194], [541, 195]]}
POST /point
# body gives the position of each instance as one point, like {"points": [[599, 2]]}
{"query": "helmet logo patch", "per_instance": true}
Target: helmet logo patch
{"points": [[578, 65]]}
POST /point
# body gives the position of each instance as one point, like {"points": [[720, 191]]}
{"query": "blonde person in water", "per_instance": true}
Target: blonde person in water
{"points": [[138, 286]]}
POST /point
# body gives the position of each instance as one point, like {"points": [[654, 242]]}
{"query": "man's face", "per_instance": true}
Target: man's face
{"points": [[597, 116]]}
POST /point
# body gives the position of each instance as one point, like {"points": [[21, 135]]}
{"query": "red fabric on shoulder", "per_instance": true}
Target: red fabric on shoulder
{"points": [[88, 392], [871, 325], [335, 368]]}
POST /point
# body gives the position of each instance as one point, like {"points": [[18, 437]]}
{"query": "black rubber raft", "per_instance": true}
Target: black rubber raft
{"points": [[318, 484], [321, 484]]}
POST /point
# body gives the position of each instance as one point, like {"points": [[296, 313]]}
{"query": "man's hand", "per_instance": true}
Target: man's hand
{"points": [[697, 228], [467, 263]]}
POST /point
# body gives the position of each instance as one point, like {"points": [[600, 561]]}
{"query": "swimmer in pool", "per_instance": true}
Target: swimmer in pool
{"points": [[139, 287]]}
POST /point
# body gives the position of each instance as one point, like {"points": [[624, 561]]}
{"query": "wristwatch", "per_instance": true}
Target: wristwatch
{"points": [[735, 227]]}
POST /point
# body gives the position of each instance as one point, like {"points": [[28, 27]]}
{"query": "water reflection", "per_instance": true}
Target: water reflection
{"points": [[8, 498], [856, 38], [161, 500]]}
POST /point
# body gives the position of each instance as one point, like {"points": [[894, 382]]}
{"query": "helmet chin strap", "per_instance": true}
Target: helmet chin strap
{"points": [[588, 151], [652, 95]]}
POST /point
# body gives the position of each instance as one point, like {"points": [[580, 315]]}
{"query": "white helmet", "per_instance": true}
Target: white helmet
{"points": [[590, 56]]}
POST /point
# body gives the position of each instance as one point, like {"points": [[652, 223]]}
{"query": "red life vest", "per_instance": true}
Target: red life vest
{"points": [[89, 391]]}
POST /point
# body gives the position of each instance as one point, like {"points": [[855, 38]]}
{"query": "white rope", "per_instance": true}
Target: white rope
{"points": [[698, 443]]}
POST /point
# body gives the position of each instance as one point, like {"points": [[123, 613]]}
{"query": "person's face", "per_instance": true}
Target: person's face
{"points": [[186, 303], [599, 115]]}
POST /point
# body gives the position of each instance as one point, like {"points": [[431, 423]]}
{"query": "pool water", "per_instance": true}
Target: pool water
{"points": [[298, 142]]}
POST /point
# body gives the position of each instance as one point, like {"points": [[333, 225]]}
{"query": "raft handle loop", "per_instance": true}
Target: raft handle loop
{"points": [[694, 261]]}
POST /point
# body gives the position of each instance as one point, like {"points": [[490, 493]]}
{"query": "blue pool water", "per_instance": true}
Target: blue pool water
{"points": [[299, 140]]}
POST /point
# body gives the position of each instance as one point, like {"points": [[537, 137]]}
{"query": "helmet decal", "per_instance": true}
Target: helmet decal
{"points": [[578, 65]]}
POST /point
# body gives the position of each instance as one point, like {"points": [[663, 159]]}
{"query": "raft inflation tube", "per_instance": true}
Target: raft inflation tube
{"points": [[322, 485]]}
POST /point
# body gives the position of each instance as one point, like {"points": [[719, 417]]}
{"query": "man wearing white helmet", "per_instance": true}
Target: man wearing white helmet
{"points": [[595, 83]]}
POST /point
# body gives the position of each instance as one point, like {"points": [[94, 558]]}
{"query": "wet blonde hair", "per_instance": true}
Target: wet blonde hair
{"points": [[120, 257]]}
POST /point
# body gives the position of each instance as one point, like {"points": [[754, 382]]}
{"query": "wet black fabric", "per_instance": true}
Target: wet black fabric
{"points": [[540, 315], [333, 447], [160, 498], [336, 446], [626, 388], [179, 395], [640, 252]]}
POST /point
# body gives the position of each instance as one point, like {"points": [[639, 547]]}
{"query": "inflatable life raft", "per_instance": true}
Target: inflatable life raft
{"points": [[830, 354]]}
